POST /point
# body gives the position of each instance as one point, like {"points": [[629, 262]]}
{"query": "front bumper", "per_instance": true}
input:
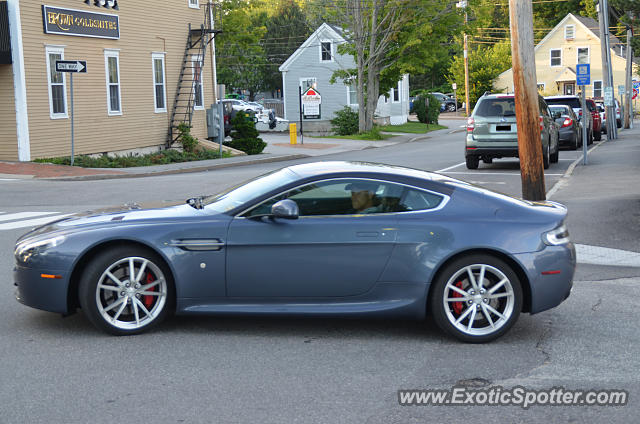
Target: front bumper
{"points": [[48, 294], [550, 273]]}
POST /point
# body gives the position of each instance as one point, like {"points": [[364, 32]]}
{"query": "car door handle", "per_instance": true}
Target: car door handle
{"points": [[367, 234]]}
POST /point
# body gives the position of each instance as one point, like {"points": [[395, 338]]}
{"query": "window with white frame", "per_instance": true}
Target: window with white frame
{"points": [[569, 32], [198, 101], [556, 57], [395, 93], [57, 84], [353, 93], [583, 55], [112, 72], [325, 52], [194, 4], [597, 89], [159, 90]]}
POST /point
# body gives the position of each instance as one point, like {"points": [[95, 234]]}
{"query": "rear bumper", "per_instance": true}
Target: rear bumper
{"points": [[496, 152]]}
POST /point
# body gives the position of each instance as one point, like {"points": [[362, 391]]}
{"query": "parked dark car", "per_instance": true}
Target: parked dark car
{"points": [[446, 103], [570, 129], [576, 105], [374, 241], [597, 120], [492, 131]]}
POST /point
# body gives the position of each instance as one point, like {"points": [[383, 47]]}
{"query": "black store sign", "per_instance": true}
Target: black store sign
{"points": [[80, 23]]}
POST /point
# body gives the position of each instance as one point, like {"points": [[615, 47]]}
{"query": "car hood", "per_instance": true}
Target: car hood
{"points": [[117, 215]]}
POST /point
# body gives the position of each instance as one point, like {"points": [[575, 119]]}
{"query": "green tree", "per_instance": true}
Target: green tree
{"points": [[240, 57], [244, 135], [286, 30], [485, 64], [629, 14]]}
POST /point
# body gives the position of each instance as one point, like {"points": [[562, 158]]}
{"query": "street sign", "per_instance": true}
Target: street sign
{"points": [[583, 74], [608, 96], [71, 66], [621, 90], [454, 86], [311, 101]]}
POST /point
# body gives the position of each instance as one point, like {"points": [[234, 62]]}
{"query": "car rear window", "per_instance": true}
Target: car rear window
{"points": [[503, 106], [571, 101]]}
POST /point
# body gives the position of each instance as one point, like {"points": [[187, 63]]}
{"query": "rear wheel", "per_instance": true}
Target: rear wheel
{"points": [[472, 162], [597, 136], [555, 156], [126, 290], [476, 298], [545, 156]]}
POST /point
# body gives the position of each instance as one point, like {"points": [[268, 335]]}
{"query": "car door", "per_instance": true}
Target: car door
{"points": [[330, 250]]}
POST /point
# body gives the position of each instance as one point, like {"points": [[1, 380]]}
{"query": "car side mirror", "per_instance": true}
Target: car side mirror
{"points": [[285, 209]]}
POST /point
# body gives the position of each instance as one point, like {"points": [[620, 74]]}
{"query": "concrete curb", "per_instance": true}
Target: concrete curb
{"points": [[176, 171]]}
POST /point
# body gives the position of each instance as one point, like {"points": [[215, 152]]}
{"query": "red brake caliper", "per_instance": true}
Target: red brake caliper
{"points": [[457, 306], [148, 300]]}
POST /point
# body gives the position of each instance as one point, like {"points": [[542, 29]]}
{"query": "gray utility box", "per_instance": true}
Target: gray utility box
{"points": [[213, 123]]}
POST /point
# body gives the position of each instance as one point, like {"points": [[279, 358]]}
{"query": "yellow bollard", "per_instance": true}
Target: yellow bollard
{"points": [[293, 134]]}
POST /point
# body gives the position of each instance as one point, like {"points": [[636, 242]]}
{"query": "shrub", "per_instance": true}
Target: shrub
{"points": [[345, 122], [188, 141], [244, 135], [430, 115]]}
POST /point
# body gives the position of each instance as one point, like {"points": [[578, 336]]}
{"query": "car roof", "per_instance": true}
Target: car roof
{"points": [[561, 97], [312, 169]]}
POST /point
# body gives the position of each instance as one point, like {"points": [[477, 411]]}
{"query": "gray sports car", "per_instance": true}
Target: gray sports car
{"points": [[322, 239]]}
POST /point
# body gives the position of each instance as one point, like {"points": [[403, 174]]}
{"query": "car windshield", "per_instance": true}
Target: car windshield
{"points": [[248, 190], [570, 101], [502, 106]]}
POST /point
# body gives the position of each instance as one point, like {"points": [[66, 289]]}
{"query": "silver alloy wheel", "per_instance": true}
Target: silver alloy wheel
{"points": [[131, 293], [478, 299]]}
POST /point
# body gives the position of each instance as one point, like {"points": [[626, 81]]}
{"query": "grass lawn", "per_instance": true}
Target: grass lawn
{"points": [[412, 127]]}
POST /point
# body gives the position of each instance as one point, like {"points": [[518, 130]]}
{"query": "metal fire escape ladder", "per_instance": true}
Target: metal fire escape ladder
{"points": [[189, 82]]}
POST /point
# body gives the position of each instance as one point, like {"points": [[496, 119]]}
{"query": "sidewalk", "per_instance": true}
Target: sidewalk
{"points": [[278, 149]]}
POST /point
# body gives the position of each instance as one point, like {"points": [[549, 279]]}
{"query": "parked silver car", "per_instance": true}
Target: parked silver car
{"points": [[492, 131]]}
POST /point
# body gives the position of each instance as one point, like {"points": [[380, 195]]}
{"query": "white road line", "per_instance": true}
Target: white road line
{"points": [[8, 179], [30, 222], [596, 255], [451, 167], [495, 173], [22, 215]]}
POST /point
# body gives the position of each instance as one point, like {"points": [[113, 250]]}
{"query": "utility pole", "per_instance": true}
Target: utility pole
{"points": [[463, 4], [605, 68], [214, 76], [627, 86], [526, 99]]}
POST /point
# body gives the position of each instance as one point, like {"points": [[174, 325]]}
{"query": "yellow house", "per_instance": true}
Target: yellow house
{"points": [[140, 72], [575, 40]]}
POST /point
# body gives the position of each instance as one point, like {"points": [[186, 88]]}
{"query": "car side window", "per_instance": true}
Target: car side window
{"points": [[352, 197]]}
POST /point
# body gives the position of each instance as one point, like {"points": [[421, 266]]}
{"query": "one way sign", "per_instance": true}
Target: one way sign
{"points": [[71, 66]]}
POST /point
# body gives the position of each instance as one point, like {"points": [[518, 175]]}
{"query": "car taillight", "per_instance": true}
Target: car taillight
{"points": [[541, 123], [580, 113], [226, 119], [567, 122], [471, 124]]}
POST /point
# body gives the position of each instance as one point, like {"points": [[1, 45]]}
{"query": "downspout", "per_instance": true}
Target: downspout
{"points": [[19, 83]]}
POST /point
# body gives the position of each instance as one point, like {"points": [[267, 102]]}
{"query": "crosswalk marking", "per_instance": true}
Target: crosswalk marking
{"points": [[23, 223], [22, 215]]}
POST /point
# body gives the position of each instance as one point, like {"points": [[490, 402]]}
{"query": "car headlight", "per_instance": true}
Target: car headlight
{"points": [[556, 236], [26, 250]]}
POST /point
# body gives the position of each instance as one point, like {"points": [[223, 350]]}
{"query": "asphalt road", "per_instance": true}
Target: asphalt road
{"points": [[247, 370]]}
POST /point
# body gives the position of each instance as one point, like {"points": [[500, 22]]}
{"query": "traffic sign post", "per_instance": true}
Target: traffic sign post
{"points": [[583, 78], [71, 67]]}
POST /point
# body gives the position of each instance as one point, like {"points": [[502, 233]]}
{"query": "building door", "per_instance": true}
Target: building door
{"points": [[569, 89]]}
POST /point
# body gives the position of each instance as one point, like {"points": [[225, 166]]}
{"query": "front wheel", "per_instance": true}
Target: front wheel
{"points": [[451, 107], [476, 298], [126, 290]]}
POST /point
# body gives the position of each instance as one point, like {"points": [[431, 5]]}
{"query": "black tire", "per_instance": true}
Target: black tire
{"points": [[575, 143], [619, 123], [554, 157], [451, 107], [597, 136], [157, 300], [472, 162], [447, 312], [590, 138], [545, 156]]}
